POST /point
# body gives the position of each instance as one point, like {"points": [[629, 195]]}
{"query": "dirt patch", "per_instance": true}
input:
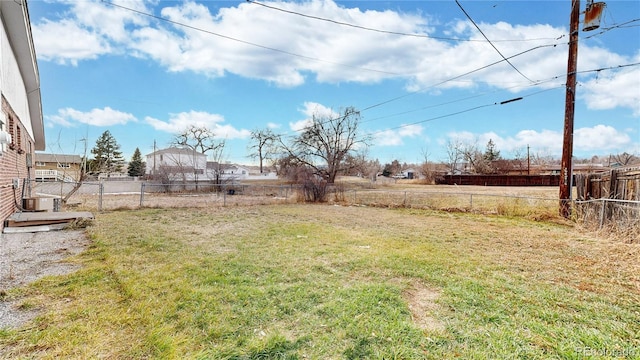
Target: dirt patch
{"points": [[422, 304], [26, 257]]}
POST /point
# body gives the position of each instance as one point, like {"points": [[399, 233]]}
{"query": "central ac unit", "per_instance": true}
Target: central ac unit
{"points": [[38, 204]]}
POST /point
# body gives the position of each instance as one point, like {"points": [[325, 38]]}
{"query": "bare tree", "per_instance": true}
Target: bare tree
{"points": [[624, 159], [201, 139], [454, 154], [520, 160], [477, 161], [427, 167], [286, 165], [264, 145], [356, 164], [198, 138], [325, 143]]}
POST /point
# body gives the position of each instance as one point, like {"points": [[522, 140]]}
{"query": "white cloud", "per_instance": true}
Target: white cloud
{"points": [[110, 21], [66, 42], [410, 130], [387, 138], [395, 137], [300, 125], [310, 110], [614, 89], [259, 43], [587, 139], [96, 117], [91, 29], [600, 137], [181, 121]]}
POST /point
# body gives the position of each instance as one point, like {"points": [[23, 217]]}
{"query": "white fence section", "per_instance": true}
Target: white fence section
{"points": [[53, 175]]}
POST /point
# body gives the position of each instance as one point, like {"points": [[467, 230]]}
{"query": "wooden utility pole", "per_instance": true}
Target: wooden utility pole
{"points": [[566, 166]]}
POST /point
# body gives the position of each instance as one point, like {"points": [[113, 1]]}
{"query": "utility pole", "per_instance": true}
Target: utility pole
{"points": [[593, 13], [566, 166]]}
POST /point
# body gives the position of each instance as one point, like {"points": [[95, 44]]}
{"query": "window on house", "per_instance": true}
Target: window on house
{"points": [[10, 129], [40, 164], [18, 137], [64, 165]]}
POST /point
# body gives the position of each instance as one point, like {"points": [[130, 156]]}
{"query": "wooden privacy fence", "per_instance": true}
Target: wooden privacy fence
{"points": [[500, 180], [611, 199], [619, 184]]}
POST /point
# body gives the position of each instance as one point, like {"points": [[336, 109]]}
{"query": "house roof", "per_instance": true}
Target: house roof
{"points": [[58, 158], [15, 16], [175, 150], [225, 166]]}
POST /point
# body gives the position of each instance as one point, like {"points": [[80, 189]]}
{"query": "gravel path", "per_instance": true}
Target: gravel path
{"points": [[26, 257]]}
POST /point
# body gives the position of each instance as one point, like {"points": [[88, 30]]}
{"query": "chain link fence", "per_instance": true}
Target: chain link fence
{"points": [[621, 216], [112, 195], [617, 216], [107, 195]]}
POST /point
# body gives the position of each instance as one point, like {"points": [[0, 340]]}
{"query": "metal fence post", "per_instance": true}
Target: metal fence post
{"points": [[604, 201], [101, 193], [470, 201], [142, 186]]}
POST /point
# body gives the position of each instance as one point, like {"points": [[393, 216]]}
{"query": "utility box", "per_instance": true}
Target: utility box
{"points": [[38, 203]]}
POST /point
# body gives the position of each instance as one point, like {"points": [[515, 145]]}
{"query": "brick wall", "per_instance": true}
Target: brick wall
{"points": [[13, 163]]}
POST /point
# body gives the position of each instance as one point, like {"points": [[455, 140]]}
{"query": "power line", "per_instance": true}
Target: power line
{"points": [[345, 65], [480, 106], [465, 111], [619, 26], [502, 102], [384, 31], [316, 59], [456, 77], [248, 42], [461, 99], [489, 41]]}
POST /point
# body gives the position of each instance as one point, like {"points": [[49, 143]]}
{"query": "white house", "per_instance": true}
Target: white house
{"points": [[177, 164], [226, 172], [21, 123]]}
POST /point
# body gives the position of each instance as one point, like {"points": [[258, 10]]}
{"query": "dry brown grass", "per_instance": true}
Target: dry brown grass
{"points": [[533, 203], [328, 280]]}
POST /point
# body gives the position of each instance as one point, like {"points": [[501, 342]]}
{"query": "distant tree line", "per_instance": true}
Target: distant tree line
{"points": [[331, 145]]}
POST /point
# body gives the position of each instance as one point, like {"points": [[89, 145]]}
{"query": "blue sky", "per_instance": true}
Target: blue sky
{"points": [[144, 70]]}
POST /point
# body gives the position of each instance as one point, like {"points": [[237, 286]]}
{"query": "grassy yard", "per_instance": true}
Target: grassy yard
{"points": [[334, 282]]}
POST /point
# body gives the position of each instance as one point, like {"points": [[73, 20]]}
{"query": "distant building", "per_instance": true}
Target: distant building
{"points": [[57, 167], [177, 164], [577, 169], [226, 172]]}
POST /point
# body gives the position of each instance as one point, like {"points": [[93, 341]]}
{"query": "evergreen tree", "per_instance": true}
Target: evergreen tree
{"points": [[137, 167], [491, 153], [107, 155]]}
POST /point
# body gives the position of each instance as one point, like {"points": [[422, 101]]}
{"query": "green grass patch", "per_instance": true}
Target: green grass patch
{"points": [[332, 282]]}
